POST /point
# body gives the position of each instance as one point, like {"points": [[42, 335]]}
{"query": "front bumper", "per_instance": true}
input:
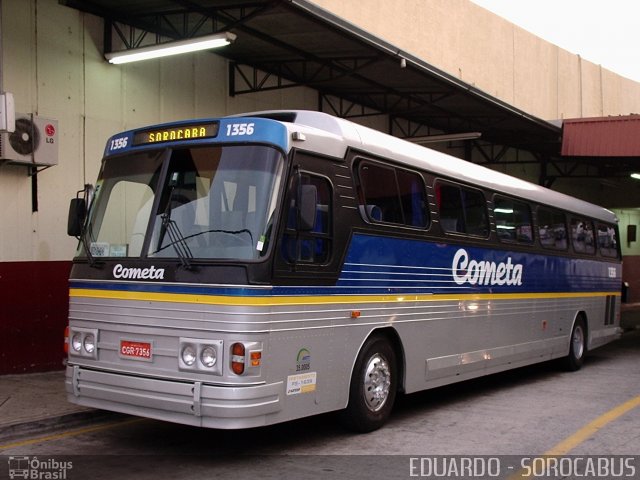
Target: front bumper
{"points": [[190, 403]]}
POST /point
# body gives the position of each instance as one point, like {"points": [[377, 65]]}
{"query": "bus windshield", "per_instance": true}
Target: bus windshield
{"points": [[211, 202]]}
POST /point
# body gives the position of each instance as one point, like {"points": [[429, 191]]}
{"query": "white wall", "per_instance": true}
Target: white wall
{"points": [[496, 56], [53, 65]]}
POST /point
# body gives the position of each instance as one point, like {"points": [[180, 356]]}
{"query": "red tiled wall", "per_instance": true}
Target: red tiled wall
{"points": [[631, 274], [33, 315]]}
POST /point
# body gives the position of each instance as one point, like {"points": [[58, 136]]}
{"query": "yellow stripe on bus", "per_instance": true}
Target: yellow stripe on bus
{"points": [[319, 299]]}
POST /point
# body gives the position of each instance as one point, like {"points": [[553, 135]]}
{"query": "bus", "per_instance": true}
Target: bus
{"points": [[247, 270]]}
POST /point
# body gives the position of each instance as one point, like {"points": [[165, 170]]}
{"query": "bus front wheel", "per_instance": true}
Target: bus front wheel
{"points": [[577, 346], [373, 386]]}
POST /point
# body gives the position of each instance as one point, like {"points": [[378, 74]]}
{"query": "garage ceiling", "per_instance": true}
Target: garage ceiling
{"points": [[287, 43], [293, 42]]}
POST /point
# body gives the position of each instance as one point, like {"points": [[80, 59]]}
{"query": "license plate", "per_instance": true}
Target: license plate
{"points": [[136, 350]]}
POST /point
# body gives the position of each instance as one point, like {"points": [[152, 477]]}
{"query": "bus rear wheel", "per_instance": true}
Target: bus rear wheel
{"points": [[577, 347], [373, 386]]}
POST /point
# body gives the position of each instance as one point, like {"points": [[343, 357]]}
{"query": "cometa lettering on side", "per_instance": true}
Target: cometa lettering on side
{"points": [[481, 272]]}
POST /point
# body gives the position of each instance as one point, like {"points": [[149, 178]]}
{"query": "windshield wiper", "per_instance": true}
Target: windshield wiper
{"points": [[87, 250], [230, 232], [177, 240], [84, 237], [170, 227]]}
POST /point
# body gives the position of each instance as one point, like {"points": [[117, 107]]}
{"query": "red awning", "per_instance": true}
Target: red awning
{"points": [[601, 137]]}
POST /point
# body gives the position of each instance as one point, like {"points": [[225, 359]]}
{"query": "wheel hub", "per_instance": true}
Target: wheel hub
{"points": [[377, 382], [578, 342]]}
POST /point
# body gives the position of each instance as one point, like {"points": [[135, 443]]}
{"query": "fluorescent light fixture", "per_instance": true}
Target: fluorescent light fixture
{"points": [[636, 176], [172, 48], [503, 210]]}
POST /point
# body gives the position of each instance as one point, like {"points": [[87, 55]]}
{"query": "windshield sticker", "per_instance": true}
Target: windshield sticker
{"points": [[99, 249], [105, 249], [118, 250], [261, 241]]}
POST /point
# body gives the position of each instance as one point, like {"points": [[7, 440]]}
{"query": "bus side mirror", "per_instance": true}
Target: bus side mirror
{"points": [[77, 214], [307, 201]]}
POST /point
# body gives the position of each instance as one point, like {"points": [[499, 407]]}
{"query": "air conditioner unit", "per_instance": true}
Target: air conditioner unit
{"points": [[34, 142]]}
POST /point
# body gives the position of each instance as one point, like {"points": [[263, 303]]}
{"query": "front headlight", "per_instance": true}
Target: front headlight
{"points": [[89, 343], [76, 342], [83, 342], [200, 355], [208, 357], [189, 355]]}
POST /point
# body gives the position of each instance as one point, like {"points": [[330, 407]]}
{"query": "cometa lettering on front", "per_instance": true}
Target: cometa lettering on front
{"points": [[150, 273], [483, 272]]}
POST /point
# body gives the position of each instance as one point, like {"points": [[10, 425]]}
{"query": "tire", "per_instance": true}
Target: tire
{"points": [[577, 346], [373, 387]]}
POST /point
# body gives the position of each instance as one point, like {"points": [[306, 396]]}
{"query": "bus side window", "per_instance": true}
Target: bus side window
{"points": [[607, 242], [309, 245], [552, 229], [462, 210], [582, 236], [392, 195], [475, 212], [513, 220]]}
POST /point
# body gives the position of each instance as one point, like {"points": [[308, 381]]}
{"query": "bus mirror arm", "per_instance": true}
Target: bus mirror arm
{"points": [[77, 218], [78, 211]]}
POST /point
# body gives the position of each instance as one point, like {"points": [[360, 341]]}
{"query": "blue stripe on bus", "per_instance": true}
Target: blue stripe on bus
{"points": [[383, 266], [374, 261]]}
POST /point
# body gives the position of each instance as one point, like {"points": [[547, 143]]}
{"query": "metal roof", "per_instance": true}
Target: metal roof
{"points": [[346, 134], [602, 137], [297, 43]]}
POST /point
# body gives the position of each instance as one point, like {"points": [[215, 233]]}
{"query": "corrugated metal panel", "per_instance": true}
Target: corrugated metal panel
{"points": [[601, 137]]}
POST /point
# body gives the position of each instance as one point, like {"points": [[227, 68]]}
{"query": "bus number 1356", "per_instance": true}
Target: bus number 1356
{"points": [[238, 129]]}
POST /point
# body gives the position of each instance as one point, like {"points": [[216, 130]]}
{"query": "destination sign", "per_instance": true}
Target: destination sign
{"points": [[191, 131]]}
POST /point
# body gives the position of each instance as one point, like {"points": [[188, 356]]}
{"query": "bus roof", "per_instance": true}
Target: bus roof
{"points": [[324, 133]]}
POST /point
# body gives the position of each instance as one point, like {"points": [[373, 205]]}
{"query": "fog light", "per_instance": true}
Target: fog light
{"points": [[76, 342], [189, 355], [208, 357], [89, 343]]}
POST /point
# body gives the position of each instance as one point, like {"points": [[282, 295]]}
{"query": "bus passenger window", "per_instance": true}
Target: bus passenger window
{"points": [[475, 212], [607, 242], [451, 211], [582, 236], [462, 210], [552, 229], [513, 220], [393, 195], [412, 198]]}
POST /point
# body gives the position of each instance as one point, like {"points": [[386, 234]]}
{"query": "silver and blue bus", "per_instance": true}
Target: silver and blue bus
{"points": [[248, 270]]}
